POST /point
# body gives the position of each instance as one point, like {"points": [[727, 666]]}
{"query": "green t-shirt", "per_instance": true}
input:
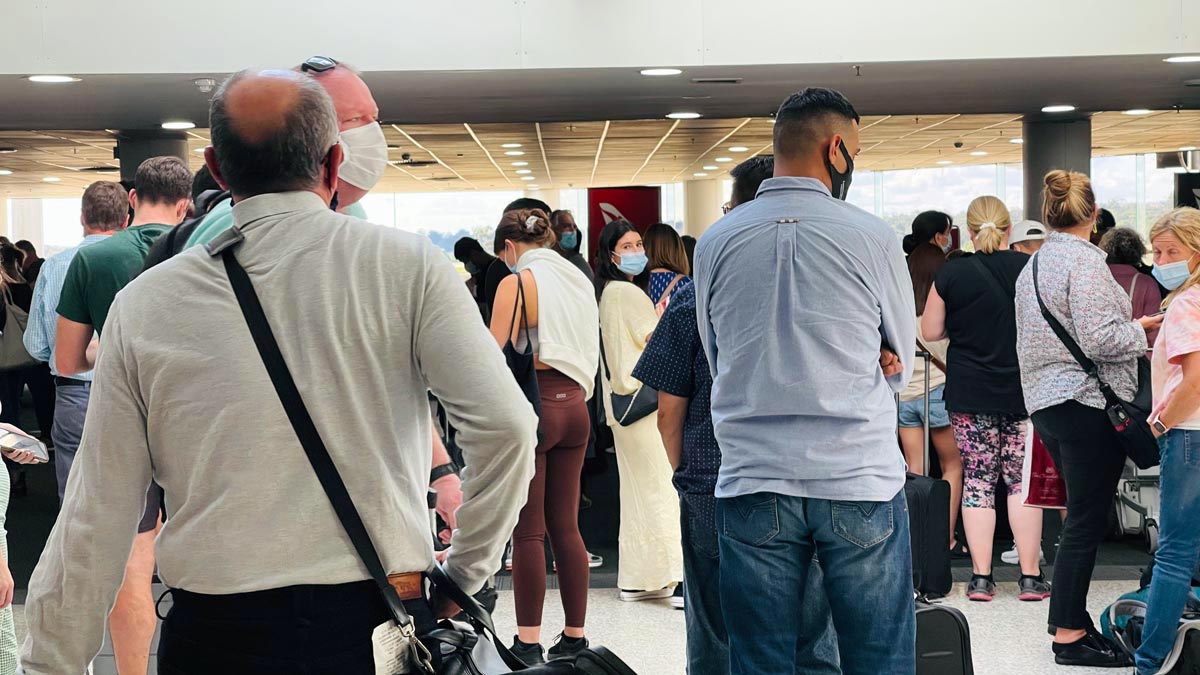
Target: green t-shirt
{"points": [[101, 270], [221, 218]]}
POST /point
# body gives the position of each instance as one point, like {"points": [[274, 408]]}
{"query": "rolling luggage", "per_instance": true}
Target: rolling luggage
{"points": [[943, 641], [929, 521]]}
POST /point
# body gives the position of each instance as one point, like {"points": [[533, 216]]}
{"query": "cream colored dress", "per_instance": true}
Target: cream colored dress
{"points": [[651, 554]]}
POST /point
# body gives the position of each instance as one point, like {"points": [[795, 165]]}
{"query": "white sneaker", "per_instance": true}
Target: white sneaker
{"points": [[594, 561], [1010, 556], [677, 599], [637, 596]]}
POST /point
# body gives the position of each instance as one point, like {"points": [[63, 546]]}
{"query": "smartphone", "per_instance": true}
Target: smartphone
{"points": [[12, 441], [1157, 313]]}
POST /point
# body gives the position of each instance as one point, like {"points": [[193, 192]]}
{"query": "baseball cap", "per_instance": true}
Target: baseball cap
{"points": [[1027, 230]]}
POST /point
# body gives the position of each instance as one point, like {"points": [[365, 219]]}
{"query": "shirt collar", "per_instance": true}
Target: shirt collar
{"points": [[793, 183], [1072, 240], [91, 238], [258, 207]]}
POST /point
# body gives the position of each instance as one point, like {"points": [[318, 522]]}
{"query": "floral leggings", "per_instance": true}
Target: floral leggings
{"points": [[992, 447]]}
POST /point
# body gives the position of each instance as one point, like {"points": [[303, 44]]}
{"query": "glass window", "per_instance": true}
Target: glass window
{"points": [[1114, 181], [907, 193], [862, 191], [1160, 192], [1014, 191]]}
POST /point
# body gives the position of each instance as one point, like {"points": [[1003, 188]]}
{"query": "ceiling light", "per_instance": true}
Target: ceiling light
{"points": [[1195, 58], [738, 148], [199, 150], [979, 153], [51, 179], [528, 178], [944, 162], [179, 125], [1187, 148], [711, 168], [511, 145], [1058, 109], [5, 172], [514, 153], [700, 175], [684, 116], [1138, 111], [520, 163], [7, 151], [723, 160], [524, 171], [1016, 141], [661, 72], [535, 187], [52, 79]]}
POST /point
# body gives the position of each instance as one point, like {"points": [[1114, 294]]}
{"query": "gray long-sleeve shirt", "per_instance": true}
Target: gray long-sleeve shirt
{"points": [[795, 293], [367, 318]]}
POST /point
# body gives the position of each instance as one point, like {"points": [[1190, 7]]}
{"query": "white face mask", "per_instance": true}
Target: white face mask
{"points": [[366, 155]]}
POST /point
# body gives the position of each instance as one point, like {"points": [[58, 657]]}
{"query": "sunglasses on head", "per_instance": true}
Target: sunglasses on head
{"points": [[318, 64]]}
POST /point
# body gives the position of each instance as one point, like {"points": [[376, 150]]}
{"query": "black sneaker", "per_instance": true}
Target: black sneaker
{"points": [[1034, 589], [530, 655], [1092, 650], [565, 647], [981, 589]]}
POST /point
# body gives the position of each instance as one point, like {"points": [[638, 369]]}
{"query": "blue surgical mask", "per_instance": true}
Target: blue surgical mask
{"points": [[570, 240], [633, 263], [1172, 275]]}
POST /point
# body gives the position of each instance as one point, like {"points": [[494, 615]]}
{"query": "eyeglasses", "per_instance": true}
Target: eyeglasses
{"points": [[726, 207], [318, 64]]}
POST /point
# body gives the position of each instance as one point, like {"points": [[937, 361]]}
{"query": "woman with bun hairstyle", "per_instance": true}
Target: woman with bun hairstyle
{"points": [[548, 306], [930, 227], [1067, 407], [972, 304]]}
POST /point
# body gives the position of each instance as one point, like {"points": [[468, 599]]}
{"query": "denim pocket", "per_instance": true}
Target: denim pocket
{"points": [[750, 519], [863, 524], [1191, 447]]}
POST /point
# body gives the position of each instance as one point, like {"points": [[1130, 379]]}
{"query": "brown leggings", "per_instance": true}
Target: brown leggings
{"points": [[553, 507]]}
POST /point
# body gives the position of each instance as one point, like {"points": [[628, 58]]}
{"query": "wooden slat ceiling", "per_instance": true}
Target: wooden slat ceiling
{"points": [[449, 157]]}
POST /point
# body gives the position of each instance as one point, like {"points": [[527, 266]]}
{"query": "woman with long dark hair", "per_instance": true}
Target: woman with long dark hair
{"points": [[930, 227], [651, 553]]}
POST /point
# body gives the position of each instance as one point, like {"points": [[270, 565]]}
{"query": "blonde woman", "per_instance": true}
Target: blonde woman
{"points": [[971, 303], [1065, 402], [1176, 421]]}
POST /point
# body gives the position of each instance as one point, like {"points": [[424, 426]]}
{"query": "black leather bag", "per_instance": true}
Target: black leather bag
{"points": [[1130, 419], [521, 362], [629, 408]]}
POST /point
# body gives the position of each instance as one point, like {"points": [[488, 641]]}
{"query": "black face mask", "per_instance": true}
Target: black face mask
{"points": [[840, 182]]}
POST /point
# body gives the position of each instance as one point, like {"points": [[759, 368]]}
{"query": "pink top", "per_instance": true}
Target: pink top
{"points": [[1179, 336]]}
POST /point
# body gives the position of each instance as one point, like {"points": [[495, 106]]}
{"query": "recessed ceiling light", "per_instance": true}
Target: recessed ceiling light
{"points": [[661, 72], [979, 153], [1016, 141], [1058, 108], [700, 175], [51, 179], [1138, 111], [711, 168], [524, 171], [684, 116], [528, 178], [52, 79], [7, 151], [511, 145], [514, 153], [520, 163], [723, 160], [179, 125], [1187, 148], [5, 172], [1194, 58], [944, 162], [535, 187], [738, 148], [199, 150]]}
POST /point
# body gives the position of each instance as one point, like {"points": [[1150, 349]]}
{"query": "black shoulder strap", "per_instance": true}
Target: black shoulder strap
{"points": [[310, 438], [992, 279], [1069, 342]]}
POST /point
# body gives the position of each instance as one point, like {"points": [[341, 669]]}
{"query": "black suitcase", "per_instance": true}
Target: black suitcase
{"points": [[943, 641], [929, 529]]}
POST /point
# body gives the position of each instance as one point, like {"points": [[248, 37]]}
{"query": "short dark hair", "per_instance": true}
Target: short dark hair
{"points": [[463, 248], [203, 182], [1105, 221], [162, 180], [1124, 246], [289, 159], [528, 204], [749, 175], [805, 118]]}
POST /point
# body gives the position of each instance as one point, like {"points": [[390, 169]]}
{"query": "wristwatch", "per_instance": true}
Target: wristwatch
{"points": [[1158, 426], [442, 471]]}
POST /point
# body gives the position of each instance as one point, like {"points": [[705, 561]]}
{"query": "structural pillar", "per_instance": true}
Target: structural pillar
{"points": [[702, 205], [27, 221], [135, 147], [1053, 143]]}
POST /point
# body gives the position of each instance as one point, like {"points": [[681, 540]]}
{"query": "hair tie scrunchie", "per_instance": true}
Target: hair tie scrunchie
{"points": [[531, 223], [988, 224]]}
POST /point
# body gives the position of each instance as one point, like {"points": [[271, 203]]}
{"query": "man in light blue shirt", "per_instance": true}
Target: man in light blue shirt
{"points": [[105, 211], [797, 293]]}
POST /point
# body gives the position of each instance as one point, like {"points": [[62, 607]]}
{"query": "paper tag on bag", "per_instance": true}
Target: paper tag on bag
{"points": [[390, 648]]}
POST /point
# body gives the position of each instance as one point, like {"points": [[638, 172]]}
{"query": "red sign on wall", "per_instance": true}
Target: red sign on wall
{"points": [[641, 206]]}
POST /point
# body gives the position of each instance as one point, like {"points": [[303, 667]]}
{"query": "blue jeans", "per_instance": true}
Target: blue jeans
{"points": [[707, 638], [70, 408], [767, 543], [1178, 546]]}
